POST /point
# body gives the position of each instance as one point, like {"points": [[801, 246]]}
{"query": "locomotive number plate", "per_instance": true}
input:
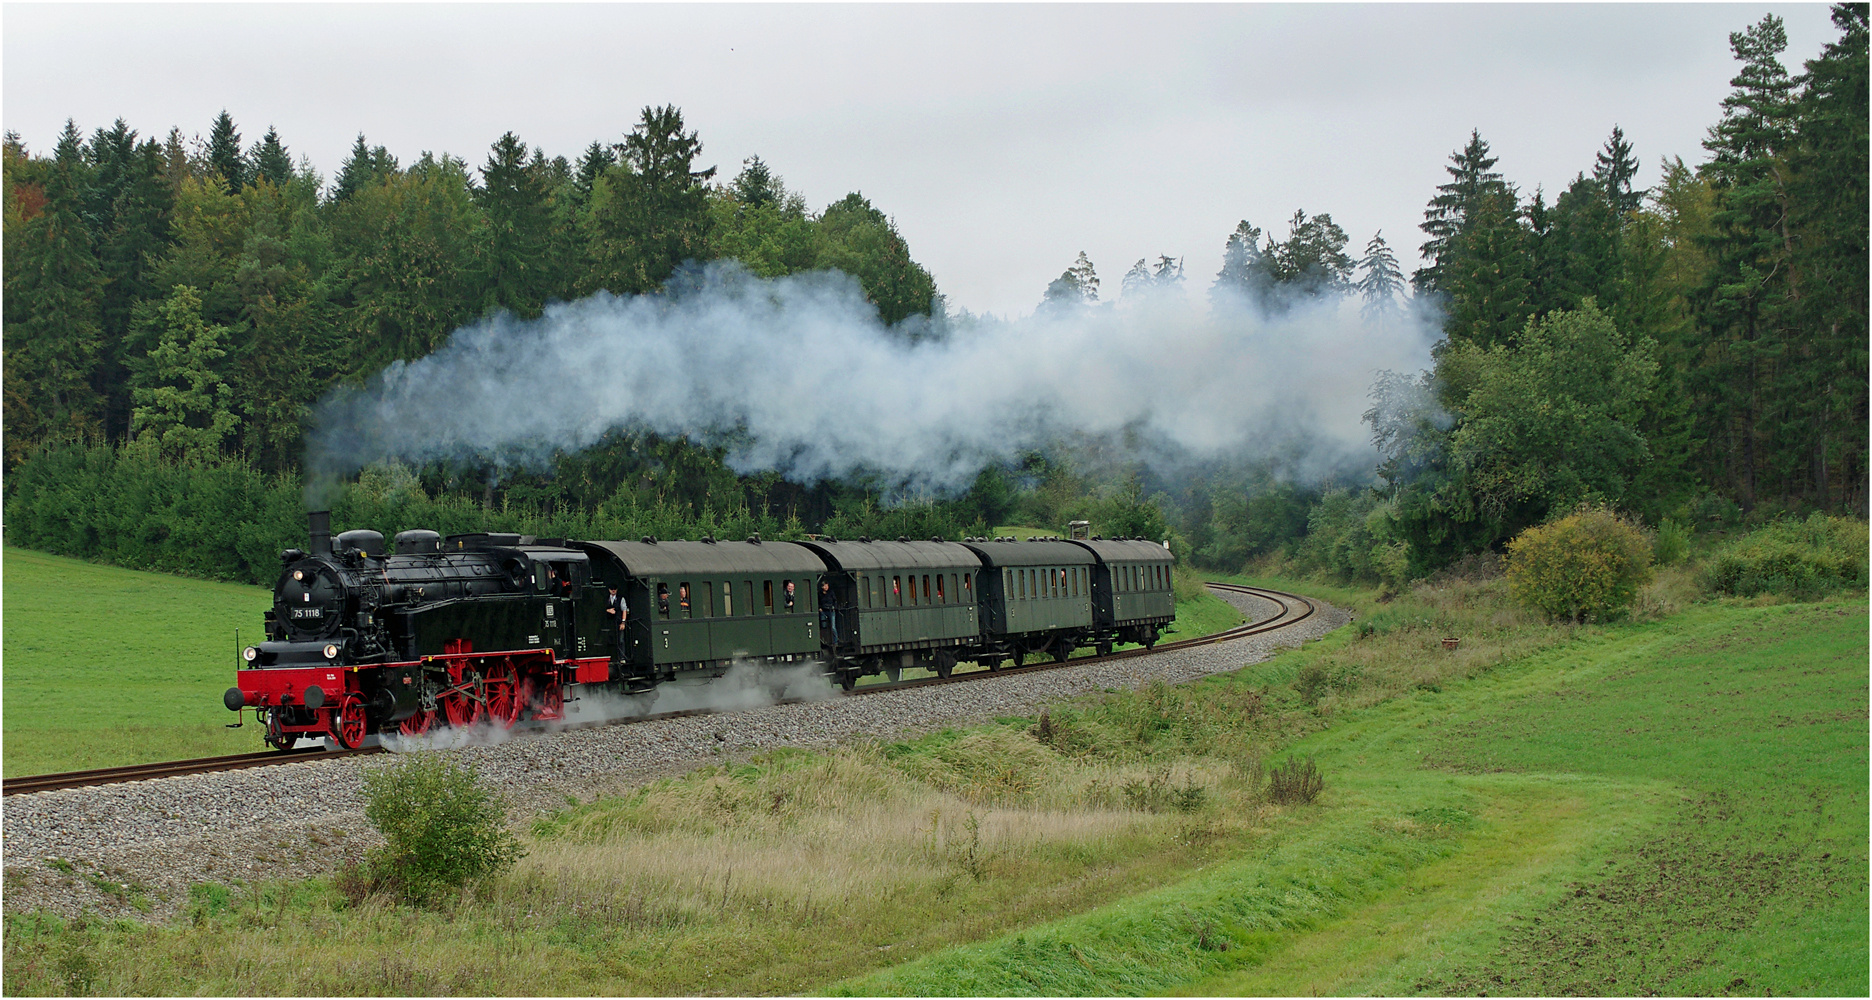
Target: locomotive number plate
{"points": [[308, 612]]}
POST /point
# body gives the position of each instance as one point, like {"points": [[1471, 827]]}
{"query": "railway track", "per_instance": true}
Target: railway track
{"points": [[1293, 609]]}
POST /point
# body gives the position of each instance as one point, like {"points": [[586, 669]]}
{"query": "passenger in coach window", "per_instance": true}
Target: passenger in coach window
{"points": [[789, 597]]}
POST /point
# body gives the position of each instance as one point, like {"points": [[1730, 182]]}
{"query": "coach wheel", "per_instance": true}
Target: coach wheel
{"points": [[1150, 638], [945, 663], [418, 724], [1104, 649], [350, 723], [1020, 657], [894, 673], [1061, 650], [505, 696]]}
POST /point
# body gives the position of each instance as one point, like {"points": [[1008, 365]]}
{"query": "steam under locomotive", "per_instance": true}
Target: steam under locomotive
{"points": [[492, 628]]}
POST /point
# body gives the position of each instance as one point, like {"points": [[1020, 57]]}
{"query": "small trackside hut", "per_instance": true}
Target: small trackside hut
{"points": [[1036, 597], [1132, 596], [899, 604], [698, 607]]}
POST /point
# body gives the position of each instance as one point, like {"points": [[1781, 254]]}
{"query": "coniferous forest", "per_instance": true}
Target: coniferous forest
{"points": [[1694, 352]]}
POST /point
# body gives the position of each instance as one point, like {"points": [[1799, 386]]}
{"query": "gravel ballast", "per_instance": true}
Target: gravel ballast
{"points": [[134, 849]]}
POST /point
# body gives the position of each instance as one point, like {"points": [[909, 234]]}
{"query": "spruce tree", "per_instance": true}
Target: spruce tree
{"points": [[1747, 292], [271, 161], [1484, 274], [1244, 276], [756, 186], [1449, 211], [224, 152], [1381, 280], [1828, 189], [1614, 169], [515, 198], [53, 317]]}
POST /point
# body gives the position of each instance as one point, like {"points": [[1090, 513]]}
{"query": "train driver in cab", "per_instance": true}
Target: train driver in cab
{"points": [[615, 606]]}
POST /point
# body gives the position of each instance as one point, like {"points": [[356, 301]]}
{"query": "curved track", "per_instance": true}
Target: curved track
{"points": [[1293, 609]]}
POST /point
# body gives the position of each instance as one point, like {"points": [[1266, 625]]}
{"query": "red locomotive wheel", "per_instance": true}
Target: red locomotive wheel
{"points": [[418, 724], [350, 723], [462, 708], [504, 697], [551, 701]]}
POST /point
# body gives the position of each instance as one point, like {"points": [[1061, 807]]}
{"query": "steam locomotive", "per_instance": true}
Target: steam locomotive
{"points": [[491, 628]]}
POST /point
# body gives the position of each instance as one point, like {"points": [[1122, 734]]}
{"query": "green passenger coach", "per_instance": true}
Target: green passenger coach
{"points": [[899, 604], [1132, 596], [697, 607], [1036, 598]]}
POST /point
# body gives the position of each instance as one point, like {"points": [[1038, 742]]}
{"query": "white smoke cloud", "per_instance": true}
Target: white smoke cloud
{"points": [[798, 376]]}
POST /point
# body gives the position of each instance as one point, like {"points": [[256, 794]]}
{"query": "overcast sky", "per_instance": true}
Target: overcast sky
{"points": [[1002, 139]]}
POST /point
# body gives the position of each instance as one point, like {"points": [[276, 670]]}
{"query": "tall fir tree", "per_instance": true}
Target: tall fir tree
{"points": [[1245, 273], [53, 317], [1614, 168], [1747, 291], [1471, 178], [1828, 188], [1381, 281], [515, 198], [271, 160], [224, 152]]}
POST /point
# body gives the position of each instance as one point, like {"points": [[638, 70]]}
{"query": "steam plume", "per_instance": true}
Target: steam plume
{"points": [[798, 376]]}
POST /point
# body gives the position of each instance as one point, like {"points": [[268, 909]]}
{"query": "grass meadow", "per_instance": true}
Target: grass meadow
{"points": [[107, 666]]}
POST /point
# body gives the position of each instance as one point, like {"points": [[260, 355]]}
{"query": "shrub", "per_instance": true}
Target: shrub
{"points": [[1672, 543], [1588, 564], [1295, 781], [441, 827], [1803, 559]]}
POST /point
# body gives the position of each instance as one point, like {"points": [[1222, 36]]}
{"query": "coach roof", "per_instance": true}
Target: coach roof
{"points": [[1038, 552], [863, 556], [1127, 550], [669, 559]]}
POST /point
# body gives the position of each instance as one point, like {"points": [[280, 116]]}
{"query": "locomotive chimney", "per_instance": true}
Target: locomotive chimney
{"points": [[319, 523]]}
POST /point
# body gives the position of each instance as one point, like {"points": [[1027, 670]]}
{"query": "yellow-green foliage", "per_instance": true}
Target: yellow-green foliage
{"points": [[1806, 559], [1588, 564]]}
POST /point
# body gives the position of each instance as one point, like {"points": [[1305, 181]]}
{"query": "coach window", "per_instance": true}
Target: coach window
{"points": [[1007, 584], [896, 592], [682, 598], [927, 599], [968, 588], [663, 601]]}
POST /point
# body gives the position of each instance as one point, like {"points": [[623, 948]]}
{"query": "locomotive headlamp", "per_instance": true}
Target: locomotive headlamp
{"points": [[250, 654], [331, 650], [299, 574]]}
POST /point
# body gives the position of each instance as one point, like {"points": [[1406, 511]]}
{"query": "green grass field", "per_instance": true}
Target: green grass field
{"points": [[1676, 808], [108, 666]]}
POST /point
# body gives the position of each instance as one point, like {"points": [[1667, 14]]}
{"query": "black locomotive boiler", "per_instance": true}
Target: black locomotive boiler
{"points": [[492, 628]]}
